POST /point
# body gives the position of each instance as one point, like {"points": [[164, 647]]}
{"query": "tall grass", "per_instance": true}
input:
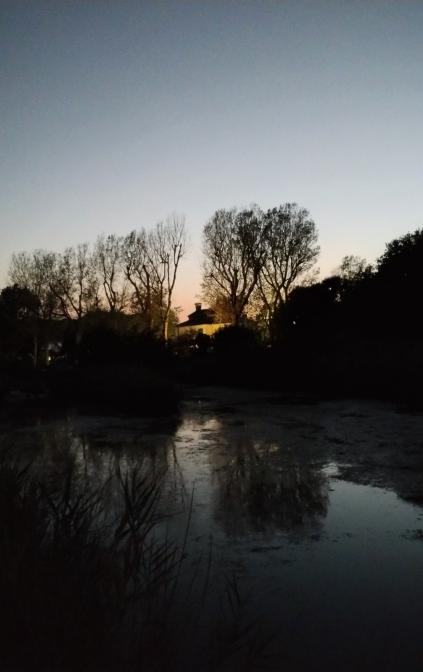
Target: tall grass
{"points": [[90, 580]]}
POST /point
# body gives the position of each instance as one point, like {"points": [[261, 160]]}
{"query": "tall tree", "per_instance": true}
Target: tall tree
{"points": [[167, 246], [291, 250], [65, 284], [151, 261], [234, 257], [34, 272], [140, 273], [108, 263], [19, 321], [400, 284], [75, 282], [402, 260]]}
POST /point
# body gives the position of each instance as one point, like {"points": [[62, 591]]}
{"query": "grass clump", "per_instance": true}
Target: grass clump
{"points": [[91, 581]]}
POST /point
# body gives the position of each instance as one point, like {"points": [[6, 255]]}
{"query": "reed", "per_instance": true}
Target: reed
{"points": [[90, 579]]}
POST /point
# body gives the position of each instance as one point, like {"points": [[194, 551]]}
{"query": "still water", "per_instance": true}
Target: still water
{"points": [[332, 568]]}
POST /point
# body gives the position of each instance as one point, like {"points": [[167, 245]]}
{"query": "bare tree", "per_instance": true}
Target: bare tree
{"points": [[107, 256], [34, 272], [234, 256], [150, 262], [353, 268], [290, 239], [167, 246], [140, 273], [75, 282], [68, 284]]}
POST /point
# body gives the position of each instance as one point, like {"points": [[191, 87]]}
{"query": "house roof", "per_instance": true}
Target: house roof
{"points": [[199, 316]]}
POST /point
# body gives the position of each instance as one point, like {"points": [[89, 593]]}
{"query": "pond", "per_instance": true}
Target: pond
{"points": [[312, 508]]}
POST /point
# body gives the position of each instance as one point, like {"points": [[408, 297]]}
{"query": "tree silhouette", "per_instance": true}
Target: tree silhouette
{"points": [[291, 250], [19, 322], [234, 256], [400, 283]]}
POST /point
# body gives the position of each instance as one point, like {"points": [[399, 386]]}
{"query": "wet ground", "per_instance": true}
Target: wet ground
{"points": [[314, 507]]}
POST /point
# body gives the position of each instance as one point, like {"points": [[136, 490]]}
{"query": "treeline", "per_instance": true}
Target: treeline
{"points": [[357, 332], [259, 270], [132, 274], [359, 329], [381, 301], [122, 284], [88, 326], [252, 261]]}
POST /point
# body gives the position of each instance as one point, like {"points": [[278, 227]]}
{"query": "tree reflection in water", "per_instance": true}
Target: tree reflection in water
{"points": [[95, 452], [262, 488]]}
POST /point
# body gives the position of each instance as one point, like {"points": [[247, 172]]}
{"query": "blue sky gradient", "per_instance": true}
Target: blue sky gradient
{"points": [[114, 114]]}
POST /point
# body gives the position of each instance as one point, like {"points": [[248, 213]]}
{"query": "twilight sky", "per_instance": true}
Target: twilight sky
{"points": [[115, 113]]}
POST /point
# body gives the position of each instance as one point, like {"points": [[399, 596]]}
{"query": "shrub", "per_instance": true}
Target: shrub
{"points": [[115, 387], [235, 340]]}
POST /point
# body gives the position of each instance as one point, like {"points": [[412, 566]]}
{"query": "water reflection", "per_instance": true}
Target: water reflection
{"points": [[262, 488], [256, 478], [94, 451], [247, 485]]}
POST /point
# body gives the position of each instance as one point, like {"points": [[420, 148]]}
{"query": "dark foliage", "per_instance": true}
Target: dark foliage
{"points": [[18, 303], [400, 284], [104, 337], [236, 341], [127, 388]]}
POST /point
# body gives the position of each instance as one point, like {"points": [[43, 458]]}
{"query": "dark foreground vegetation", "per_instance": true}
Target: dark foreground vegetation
{"points": [[91, 581]]}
